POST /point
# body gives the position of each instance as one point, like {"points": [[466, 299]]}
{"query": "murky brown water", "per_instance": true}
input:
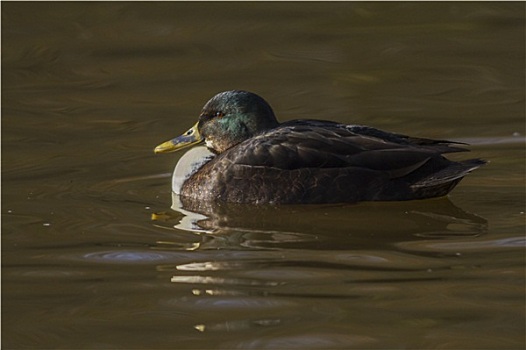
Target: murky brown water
{"points": [[88, 89]]}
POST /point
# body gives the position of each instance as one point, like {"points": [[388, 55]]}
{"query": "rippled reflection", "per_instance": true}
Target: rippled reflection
{"points": [[309, 340], [491, 244], [237, 325], [322, 226], [221, 281], [125, 256]]}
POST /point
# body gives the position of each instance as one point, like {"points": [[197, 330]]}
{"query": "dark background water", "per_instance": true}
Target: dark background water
{"points": [[93, 256]]}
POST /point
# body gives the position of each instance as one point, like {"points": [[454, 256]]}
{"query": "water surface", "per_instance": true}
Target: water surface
{"points": [[94, 254]]}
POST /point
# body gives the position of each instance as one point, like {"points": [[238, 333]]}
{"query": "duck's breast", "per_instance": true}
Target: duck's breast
{"points": [[188, 165]]}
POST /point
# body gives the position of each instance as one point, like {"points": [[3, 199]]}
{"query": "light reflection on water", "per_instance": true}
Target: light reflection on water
{"points": [[125, 257], [509, 242]]}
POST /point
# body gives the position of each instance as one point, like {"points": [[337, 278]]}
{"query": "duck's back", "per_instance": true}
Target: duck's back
{"points": [[308, 161]]}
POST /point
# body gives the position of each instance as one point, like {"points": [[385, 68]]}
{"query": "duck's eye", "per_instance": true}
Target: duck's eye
{"points": [[210, 115]]}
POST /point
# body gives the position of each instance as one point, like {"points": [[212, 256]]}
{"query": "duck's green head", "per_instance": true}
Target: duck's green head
{"points": [[229, 118]]}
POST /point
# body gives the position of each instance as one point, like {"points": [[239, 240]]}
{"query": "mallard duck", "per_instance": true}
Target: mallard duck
{"points": [[252, 158]]}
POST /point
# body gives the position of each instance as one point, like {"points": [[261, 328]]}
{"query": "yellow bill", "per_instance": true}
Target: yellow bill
{"points": [[189, 138]]}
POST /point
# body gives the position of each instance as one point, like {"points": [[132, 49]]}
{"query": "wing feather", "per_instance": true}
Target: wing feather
{"points": [[300, 145]]}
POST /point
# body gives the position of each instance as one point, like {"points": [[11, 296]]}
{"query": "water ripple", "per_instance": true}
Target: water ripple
{"points": [[239, 303], [309, 340], [126, 256], [461, 246]]}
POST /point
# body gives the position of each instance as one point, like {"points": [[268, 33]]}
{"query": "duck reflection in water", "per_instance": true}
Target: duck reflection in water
{"points": [[370, 225]]}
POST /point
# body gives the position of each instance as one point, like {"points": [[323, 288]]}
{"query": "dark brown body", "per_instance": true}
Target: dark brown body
{"points": [[309, 161]]}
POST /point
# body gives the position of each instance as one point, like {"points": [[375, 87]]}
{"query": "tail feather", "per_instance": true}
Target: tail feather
{"points": [[452, 173]]}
